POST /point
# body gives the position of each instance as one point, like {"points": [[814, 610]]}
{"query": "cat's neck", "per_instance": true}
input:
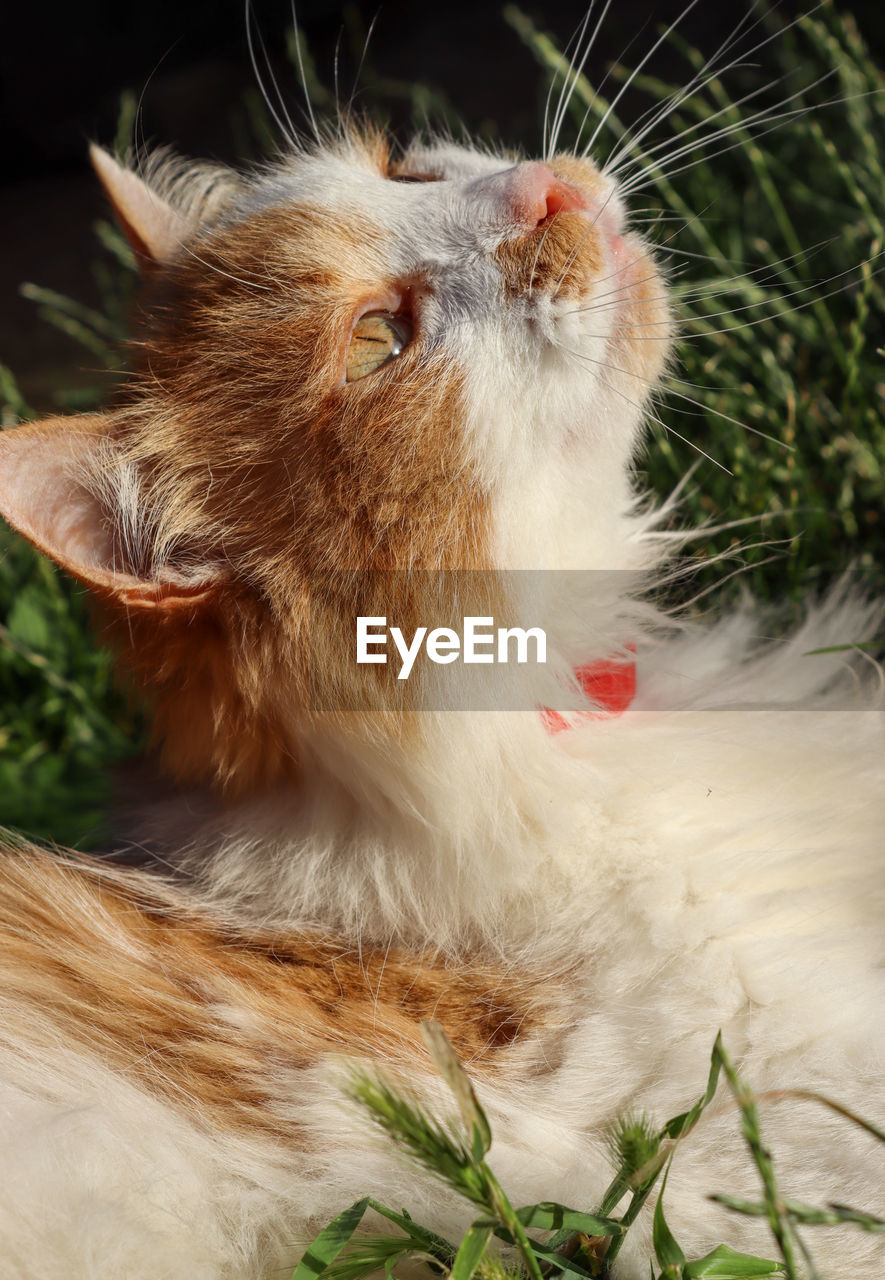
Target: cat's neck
{"points": [[441, 847]]}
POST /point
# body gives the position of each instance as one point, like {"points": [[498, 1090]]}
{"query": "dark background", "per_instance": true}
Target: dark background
{"points": [[62, 70]]}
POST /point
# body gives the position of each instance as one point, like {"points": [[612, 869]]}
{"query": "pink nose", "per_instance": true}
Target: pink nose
{"points": [[529, 193]]}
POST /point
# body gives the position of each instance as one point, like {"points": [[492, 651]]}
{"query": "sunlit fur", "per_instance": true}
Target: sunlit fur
{"points": [[582, 910]]}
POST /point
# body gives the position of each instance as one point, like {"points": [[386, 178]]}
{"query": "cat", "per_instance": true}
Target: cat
{"points": [[388, 385]]}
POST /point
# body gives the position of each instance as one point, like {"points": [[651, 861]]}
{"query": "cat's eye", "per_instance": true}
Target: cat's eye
{"points": [[378, 336], [413, 177]]}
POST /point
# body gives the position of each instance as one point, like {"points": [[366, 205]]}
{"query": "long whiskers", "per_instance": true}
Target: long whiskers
{"points": [[657, 114], [362, 62], [565, 98], [670, 430], [283, 121], [701, 290], [772, 117], [299, 57], [812, 287], [575, 41], [635, 72], [713, 71], [650, 384]]}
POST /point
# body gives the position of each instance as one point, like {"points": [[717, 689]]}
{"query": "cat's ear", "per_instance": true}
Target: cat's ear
{"points": [[153, 227], [63, 486], [166, 204]]}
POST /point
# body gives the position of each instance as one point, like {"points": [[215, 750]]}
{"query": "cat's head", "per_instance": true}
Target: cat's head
{"points": [[347, 361]]}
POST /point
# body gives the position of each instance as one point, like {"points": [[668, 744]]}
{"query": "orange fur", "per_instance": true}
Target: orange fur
{"points": [[298, 477], [216, 1020]]}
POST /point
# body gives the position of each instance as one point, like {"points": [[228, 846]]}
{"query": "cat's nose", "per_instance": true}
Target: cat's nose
{"points": [[527, 195]]}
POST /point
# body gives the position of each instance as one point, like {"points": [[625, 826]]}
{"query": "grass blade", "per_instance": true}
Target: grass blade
{"points": [[725, 1264], [330, 1242], [472, 1250]]}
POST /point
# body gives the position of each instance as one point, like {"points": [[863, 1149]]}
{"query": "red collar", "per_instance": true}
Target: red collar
{"points": [[611, 683]]}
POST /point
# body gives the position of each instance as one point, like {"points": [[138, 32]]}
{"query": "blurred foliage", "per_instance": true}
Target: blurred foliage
{"points": [[61, 723], [775, 250]]}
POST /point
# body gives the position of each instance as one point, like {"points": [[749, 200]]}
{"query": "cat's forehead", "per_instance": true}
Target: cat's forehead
{"points": [[453, 161], [362, 170]]}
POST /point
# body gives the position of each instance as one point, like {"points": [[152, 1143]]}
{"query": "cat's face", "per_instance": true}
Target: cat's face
{"points": [[372, 355], [349, 362]]}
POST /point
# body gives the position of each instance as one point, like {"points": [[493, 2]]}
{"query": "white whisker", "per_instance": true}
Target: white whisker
{"points": [[744, 123], [645, 408], [302, 75], [651, 384], [657, 114], [693, 89], [550, 140], [745, 324], [283, 123], [635, 72], [577, 73]]}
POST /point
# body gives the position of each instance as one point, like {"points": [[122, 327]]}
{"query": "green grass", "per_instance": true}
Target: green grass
{"points": [[775, 252], [62, 724], [580, 1242]]}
